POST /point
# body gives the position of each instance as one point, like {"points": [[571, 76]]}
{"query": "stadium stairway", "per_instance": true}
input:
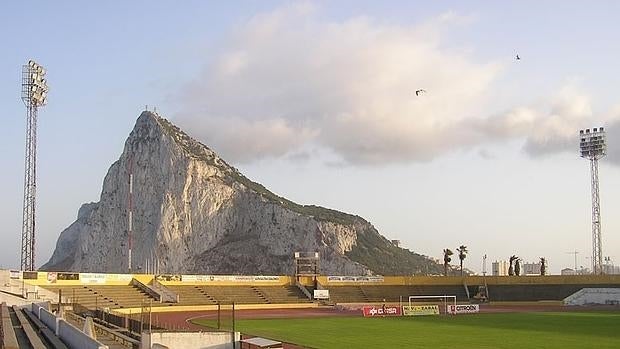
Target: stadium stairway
{"points": [[205, 295], [192, 295], [283, 294], [347, 294]]}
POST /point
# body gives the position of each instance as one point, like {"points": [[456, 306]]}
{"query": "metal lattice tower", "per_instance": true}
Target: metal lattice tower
{"points": [[34, 92], [593, 146]]}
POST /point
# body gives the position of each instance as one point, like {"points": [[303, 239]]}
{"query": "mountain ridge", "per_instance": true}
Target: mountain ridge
{"points": [[196, 213]]}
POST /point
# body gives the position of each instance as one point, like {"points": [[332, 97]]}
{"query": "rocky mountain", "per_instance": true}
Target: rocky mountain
{"points": [[194, 213]]}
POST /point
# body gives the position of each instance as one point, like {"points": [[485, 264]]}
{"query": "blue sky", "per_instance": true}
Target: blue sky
{"points": [[315, 100]]}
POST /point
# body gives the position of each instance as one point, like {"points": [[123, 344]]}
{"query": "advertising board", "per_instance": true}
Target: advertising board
{"points": [[321, 294], [92, 278], [417, 310], [221, 278], [355, 279], [463, 309], [371, 310], [52, 277]]}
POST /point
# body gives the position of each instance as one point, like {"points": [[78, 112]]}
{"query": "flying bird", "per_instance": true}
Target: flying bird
{"points": [[419, 92], [518, 58]]}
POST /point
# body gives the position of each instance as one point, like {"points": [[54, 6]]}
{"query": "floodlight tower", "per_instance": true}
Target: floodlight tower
{"points": [[34, 95], [593, 147]]}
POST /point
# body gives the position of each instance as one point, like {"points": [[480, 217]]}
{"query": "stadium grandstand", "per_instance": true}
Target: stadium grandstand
{"points": [[119, 302]]}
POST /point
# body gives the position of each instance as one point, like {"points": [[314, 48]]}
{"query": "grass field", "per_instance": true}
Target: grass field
{"points": [[506, 330]]}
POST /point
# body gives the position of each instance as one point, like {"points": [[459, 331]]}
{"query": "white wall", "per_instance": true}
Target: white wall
{"points": [[189, 340]]}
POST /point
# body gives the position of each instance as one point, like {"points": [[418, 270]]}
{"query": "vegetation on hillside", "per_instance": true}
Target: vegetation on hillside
{"points": [[384, 258]]}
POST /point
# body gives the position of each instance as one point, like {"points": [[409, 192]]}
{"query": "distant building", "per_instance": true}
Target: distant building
{"points": [[531, 268], [568, 271], [583, 271], [611, 269], [396, 243], [500, 268]]}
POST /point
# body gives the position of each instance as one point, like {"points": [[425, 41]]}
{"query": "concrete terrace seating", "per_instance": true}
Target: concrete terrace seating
{"points": [[237, 294], [439, 290], [391, 293], [347, 294], [192, 295], [91, 296], [205, 295], [535, 292], [283, 294]]}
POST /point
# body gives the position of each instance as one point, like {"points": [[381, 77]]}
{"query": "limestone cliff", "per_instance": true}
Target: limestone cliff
{"points": [[194, 213]]}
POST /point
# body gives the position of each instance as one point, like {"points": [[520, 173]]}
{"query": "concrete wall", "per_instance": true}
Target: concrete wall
{"points": [[49, 278], [76, 339], [480, 280], [47, 318], [169, 309], [189, 340], [73, 337]]}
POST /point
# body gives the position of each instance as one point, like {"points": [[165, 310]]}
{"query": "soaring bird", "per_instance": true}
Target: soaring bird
{"points": [[518, 58], [419, 92]]}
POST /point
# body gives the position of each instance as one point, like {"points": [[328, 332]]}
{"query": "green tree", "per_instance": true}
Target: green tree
{"points": [[543, 266], [462, 254], [446, 260]]}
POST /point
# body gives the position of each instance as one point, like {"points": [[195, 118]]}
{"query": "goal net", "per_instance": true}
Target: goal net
{"points": [[442, 301]]}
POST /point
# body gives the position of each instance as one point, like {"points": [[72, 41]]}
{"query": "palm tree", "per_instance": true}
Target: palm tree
{"points": [[511, 270], [543, 266], [462, 254], [518, 266], [446, 260]]}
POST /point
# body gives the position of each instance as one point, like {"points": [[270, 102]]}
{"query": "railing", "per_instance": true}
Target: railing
{"points": [[303, 289], [115, 331], [167, 295], [151, 292]]}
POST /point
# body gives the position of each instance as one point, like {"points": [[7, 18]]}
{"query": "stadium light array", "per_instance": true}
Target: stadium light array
{"points": [[593, 146], [34, 85]]}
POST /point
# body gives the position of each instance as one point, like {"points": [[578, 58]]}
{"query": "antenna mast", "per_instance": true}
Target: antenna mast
{"points": [[130, 213]]}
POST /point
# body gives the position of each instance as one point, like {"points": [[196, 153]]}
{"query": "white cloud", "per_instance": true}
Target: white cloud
{"points": [[286, 79]]}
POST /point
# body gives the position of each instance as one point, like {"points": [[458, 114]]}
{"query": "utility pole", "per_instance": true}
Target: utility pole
{"points": [[574, 253]]}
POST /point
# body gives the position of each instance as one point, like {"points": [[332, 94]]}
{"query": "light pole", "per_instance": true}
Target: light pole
{"points": [[484, 265], [593, 146], [34, 95]]}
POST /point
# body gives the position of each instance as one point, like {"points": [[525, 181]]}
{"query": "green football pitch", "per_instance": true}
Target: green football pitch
{"points": [[506, 330]]}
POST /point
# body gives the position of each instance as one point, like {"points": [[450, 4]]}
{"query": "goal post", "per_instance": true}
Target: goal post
{"points": [[445, 300]]}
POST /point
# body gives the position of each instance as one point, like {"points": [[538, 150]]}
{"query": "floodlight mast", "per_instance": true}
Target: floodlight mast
{"points": [[593, 146], [34, 95]]}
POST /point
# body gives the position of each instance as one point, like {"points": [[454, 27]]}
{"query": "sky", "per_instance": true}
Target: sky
{"points": [[316, 100]]}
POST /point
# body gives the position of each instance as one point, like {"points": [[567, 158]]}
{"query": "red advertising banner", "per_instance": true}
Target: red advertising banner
{"points": [[371, 310]]}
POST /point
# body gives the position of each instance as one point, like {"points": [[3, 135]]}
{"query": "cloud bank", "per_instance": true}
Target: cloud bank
{"points": [[288, 79]]}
